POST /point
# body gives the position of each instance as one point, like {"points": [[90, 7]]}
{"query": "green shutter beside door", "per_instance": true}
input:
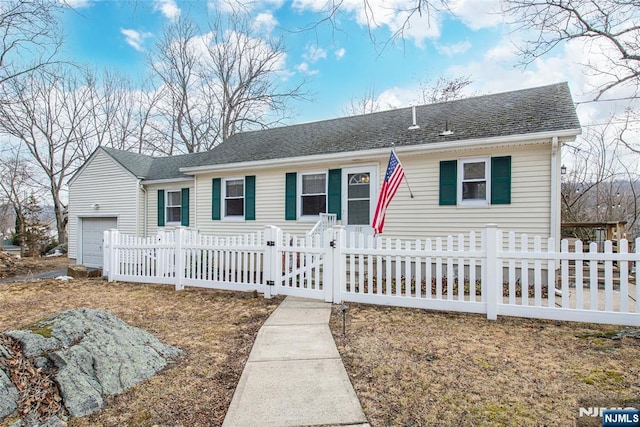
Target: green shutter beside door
{"points": [[290, 192], [184, 207], [250, 198], [334, 202], [215, 198], [501, 180], [448, 183], [160, 208]]}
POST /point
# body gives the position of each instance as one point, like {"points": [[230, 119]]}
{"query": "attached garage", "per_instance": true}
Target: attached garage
{"points": [[92, 231]]}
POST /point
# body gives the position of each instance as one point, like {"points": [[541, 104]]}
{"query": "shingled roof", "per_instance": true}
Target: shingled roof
{"points": [[529, 111]]}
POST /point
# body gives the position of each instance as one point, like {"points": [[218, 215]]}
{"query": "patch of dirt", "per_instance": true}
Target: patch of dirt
{"points": [[413, 367], [216, 329], [11, 266]]}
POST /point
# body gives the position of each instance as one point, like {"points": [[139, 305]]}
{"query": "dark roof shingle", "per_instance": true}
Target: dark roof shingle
{"points": [[541, 109]]}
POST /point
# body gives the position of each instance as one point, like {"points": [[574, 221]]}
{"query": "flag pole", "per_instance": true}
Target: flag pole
{"points": [[406, 181]]}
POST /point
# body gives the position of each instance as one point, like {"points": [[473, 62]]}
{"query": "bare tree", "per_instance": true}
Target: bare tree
{"points": [[217, 83], [50, 116], [29, 36], [442, 90], [611, 23], [17, 182]]}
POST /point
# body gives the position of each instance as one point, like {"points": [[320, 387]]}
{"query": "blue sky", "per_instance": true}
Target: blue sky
{"points": [[342, 63]]}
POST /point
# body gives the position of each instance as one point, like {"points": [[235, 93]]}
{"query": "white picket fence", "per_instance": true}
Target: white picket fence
{"points": [[485, 272]]}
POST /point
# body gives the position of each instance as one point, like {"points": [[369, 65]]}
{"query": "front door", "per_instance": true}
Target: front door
{"points": [[359, 202]]}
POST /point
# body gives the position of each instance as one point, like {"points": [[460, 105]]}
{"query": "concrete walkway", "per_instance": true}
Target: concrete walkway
{"points": [[294, 375]]}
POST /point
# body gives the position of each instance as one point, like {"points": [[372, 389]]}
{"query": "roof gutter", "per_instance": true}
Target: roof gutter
{"points": [[536, 138], [165, 181]]}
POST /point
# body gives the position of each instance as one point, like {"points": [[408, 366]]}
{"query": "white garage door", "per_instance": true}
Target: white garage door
{"points": [[92, 233]]}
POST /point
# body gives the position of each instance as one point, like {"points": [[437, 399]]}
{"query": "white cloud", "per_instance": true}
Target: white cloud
{"points": [[394, 15], [248, 6], [340, 53], [455, 49], [314, 54], [265, 22], [76, 4], [477, 14], [169, 8], [135, 38], [305, 69]]}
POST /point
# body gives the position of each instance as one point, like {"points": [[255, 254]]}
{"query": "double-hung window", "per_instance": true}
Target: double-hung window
{"points": [[313, 193], [234, 197], [479, 181], [474, 183], [173, 206]]}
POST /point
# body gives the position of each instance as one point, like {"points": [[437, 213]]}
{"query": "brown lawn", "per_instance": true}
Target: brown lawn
{"points": [[421, 368], [216, 329]]}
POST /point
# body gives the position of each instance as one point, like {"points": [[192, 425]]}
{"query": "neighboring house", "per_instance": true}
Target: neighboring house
{"points": [[487, 159]]}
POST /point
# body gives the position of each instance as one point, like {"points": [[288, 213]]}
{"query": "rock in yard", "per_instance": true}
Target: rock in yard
{"points": [[8, 396], [95, 354]]}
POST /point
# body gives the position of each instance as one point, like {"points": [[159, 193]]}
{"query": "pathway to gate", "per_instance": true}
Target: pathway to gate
{"points": [[294, 375]]}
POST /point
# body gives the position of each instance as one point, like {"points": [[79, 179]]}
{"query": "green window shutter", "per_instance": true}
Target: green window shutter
{"points": [[160, 208], [448, 183], [501, 180], [250, 198], [290, 213], [334, 197], [184, 207], [216, 185]]}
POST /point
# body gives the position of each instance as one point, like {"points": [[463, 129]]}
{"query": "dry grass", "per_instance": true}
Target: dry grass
{"points": [[424, 368], [11, 266], [215, 328]]}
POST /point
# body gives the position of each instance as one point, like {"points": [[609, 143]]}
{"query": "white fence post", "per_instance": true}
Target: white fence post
{"points": [[106, 250], [492, 285], [339, 264], [179, 257], [270, 258], [329, 267], [114, 264]]}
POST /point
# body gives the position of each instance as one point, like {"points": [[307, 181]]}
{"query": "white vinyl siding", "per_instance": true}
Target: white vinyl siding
{"points": [[407, 218], [423, 217], [115, 191]]}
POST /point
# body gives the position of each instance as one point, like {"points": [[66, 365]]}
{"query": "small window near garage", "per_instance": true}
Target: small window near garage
{"points": [[313, 194], [234, 197], [173, 206], [473, 181]]}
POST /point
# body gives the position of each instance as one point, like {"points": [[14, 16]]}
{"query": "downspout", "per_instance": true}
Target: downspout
{"points": [[195, 203], [555, 192], [144, 208]]}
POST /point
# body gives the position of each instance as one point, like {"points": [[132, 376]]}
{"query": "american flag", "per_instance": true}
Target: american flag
{"points": [[392, 181]]}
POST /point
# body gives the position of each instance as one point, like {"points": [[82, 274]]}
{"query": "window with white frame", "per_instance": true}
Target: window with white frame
{"points": [[313, 193], [173, 206], [474, 182], [234, 197]]}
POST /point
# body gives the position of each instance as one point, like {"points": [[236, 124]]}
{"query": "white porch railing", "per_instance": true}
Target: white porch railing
{"points": [[479, 273]]}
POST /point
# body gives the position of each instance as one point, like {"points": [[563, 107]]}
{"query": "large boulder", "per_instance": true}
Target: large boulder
{"points": [[8, 396], [94, 354]]}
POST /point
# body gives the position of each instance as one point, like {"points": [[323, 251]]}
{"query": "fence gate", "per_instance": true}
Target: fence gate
{"points": [[299, 265]]}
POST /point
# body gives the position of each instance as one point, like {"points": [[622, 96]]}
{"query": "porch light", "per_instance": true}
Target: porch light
{"points": [[563, 170]]}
